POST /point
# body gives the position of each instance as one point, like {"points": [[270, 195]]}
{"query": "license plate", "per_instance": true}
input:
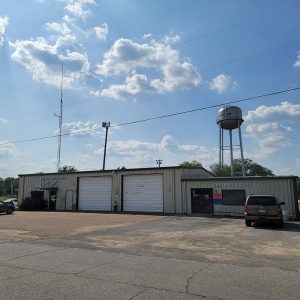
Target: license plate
{"points": [[262, 210]]}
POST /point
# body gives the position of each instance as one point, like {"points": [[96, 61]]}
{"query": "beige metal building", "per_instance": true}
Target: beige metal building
{"points": [[174, 190], [141, 190], [226, 195]]}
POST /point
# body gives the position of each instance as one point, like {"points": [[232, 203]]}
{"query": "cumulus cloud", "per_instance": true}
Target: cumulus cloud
{"points": [[3, 23], [222, 83], [271, 126], [78, 8], [60, 28], [135, 153], [297, 63], [171, 39], [298, 162], [147, 35], [284, 110], [8, 150], [3, 121], [82, 128], [128, 58], [43, 59], [101, 31], [133, 86]]}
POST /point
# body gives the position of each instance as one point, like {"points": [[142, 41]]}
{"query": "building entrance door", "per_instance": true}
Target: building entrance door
{"points": [[202, 201], [52, 199]]}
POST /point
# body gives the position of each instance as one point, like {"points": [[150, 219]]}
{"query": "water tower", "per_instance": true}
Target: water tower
{"points": [[230, 118]]}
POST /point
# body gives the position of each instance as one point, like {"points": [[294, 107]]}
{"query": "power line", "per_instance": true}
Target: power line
{"points": [[159, 117], [200, 68], [203, 36], [208, 107], [184, 42]]}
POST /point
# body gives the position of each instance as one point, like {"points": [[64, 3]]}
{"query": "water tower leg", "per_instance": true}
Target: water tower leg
{"points": [[231, 153], [242, 153], [220, 148]]}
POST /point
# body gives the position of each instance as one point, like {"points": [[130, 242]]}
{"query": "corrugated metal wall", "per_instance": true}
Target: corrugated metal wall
{"points": [[281, 187], [67, 182]]}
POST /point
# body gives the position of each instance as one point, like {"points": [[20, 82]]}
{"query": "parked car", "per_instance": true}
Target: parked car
{"points": [[263, 208], [7, 208], [10, 201]]}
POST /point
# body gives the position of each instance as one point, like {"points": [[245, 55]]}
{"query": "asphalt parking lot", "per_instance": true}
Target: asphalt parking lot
{"points": [[57, 255]]}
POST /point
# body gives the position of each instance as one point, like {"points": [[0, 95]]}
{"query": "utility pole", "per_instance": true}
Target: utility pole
{"points": [[159, 162], [60, 118], [105, 125]]}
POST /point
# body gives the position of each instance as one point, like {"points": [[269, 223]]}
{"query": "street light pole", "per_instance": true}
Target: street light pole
{"points": [[105, 125]]}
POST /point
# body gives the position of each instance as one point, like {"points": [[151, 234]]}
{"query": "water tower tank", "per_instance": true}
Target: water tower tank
{"points": [[230, 117]]}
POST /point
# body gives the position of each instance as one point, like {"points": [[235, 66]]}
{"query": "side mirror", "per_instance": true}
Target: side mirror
{"points": [[281, 203]]}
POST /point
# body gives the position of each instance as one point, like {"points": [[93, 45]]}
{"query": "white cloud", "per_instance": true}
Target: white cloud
{"points": [[3, 24], [171, 39], [147, 35], [297, 63], [3, 121], [60, 28], [135, 153], [78, 8], [270, 127], [258, 128], [43, 59], [101, 31], [133, 86], [7, 150], [222, 83], [298, 162], [82, 128], [283, 110], [127, 58]]}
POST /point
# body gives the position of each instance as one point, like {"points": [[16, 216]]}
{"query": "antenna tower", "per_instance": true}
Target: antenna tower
{"points": [[60, 117]]}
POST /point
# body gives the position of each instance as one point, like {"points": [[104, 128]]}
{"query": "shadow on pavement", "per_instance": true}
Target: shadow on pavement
{"points": [[292, 227]]}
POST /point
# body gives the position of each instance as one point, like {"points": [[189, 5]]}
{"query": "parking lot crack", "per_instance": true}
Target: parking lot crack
{"points": [[189, 279], [139, 293], [31, 254], [93, 267]]}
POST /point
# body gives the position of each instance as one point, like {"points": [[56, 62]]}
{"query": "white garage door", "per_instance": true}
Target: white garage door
{"points": [[95, 193], [143, 193]]}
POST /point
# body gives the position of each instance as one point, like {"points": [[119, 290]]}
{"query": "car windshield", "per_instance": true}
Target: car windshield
{"points": [[262, 200]]}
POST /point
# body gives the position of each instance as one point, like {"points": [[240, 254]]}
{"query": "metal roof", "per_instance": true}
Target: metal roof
{"points": [[116, 170]]}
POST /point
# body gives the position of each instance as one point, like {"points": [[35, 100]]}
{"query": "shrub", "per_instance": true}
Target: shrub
{"points": [[33, 204]]}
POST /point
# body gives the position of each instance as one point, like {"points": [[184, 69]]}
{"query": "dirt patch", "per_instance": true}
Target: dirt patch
{"points": [[17, 235]]}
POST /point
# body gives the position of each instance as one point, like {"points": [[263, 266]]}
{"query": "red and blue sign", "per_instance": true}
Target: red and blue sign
{"points": [[217, 198]]}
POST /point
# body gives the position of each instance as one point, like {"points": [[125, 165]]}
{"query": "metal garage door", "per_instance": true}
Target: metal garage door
{"points": [[95, 193], [143, 193]]}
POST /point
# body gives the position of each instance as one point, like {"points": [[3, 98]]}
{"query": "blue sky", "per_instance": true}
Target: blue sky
{"points": [[130, 60]]}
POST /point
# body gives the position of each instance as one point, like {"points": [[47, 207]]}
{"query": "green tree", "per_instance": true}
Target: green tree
{"points": [[191, 164], [66, 169], [220, 172], [252, 168], [121, 168]]}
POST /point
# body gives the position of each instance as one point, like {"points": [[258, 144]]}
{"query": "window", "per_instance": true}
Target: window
{"points": [[233, 197], [262, 200]]}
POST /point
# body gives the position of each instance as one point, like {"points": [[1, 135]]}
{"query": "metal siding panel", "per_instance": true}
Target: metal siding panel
{"points": [[95, 193], [143, 193], [168, 180], [178, 196], [278, 187]]}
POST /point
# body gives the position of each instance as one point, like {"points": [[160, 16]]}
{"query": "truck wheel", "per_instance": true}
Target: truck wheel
{"points": [[248, 223], [280, 224]]}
